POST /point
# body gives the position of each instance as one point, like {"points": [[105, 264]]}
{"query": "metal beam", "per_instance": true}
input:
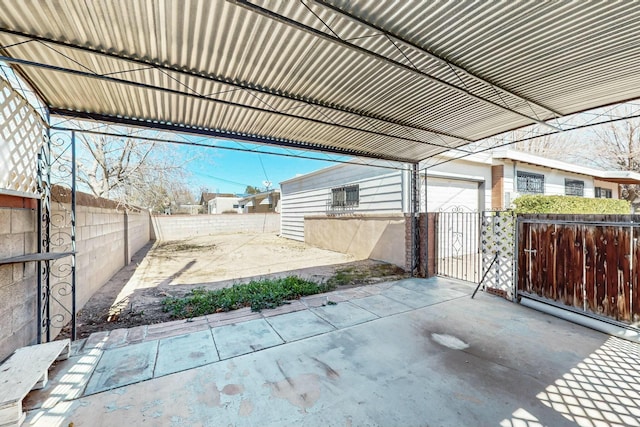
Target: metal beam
{"points": [[110, 79], [234, 83], [333, 39], [432, 55], [222, 147], [217, 133]]}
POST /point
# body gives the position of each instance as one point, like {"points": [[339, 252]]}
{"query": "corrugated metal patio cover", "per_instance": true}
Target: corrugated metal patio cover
{"points": [[403, 80]]}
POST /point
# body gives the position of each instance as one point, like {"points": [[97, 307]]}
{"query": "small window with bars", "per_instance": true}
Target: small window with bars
{"points": [[348, 196], [530, 183], [574, 187], [604, 193]]}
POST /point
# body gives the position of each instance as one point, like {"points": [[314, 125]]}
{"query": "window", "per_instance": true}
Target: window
{"points": [[345, 196], [530, 183], [573, 187], [236, 206], [604, 193]]}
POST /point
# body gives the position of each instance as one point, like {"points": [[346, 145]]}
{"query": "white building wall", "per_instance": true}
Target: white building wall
{"points": [[220, 205], [380, 192], [610, 185], [554, 181], [461, 175]]}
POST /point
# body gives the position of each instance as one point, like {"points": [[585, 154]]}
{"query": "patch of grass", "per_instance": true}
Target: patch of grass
{"points": [[358, 275], [257, 294], [346, 276], [178, 246]]}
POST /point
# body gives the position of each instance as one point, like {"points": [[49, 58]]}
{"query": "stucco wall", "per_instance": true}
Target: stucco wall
{"points": [[379, 237], [175, 227]]}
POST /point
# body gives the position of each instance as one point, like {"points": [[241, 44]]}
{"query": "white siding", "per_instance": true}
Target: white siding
{"points": [[380, 192], [554, 181]]}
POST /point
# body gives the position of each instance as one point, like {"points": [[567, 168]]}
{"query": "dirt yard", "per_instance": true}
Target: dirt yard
{"points": [[134, 295]]}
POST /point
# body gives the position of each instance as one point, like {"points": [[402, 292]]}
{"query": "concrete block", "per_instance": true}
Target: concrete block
{"points": [[6, 277], [27, 335], [24, 314], [81, 217], [5, 221], [15, 243], [23, 220], [31, 242]]}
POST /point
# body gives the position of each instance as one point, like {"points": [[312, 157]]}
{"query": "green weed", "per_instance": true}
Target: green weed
{"points": [[257, 294]]}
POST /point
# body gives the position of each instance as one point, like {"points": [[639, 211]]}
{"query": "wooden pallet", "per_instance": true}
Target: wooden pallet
{"points": [[27, 369]]}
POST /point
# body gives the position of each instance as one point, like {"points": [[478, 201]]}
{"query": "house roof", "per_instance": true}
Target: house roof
{"points": [[206, 197], [262, 195], [381, 79]]}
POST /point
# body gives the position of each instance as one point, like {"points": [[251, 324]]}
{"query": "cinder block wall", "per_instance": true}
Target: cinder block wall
{"points": [[101, 249], [101, 252], [18, 296], [178, 227]]}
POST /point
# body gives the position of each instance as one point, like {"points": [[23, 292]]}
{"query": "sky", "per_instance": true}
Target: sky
{"points": [[225, 171]]}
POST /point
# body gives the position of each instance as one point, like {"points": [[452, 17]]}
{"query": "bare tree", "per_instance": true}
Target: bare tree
{"points": [[617, 146], [133, 172], [557, 146]]}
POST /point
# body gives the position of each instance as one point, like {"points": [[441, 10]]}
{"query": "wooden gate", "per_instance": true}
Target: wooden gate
{"points": [[587, 263]]}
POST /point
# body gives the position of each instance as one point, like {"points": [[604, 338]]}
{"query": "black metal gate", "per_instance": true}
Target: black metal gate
{"points": [[457, 245], [57, 236]]}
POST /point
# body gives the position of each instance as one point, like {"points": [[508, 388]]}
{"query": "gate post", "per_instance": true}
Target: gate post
{"points": [[414, 212]]}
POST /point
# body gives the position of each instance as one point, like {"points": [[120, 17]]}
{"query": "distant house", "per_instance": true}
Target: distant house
{"points": [[267, 201], [483, 181], [224, 203], [204, 200]]}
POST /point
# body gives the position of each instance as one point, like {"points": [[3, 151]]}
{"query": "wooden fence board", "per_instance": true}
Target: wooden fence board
{"points": [[588, 262]]}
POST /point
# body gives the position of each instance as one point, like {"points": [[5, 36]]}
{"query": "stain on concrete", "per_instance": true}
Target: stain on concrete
{"points": [[449, 341], [232, 389], [246, 408], [302, 391], [196, 354], [468, 398], [207, 392], [329, 371]]}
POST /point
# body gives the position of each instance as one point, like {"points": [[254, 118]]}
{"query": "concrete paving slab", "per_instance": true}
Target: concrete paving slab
{"points": [[462, 362], [122, 366], [298, 325], [414, 299], [380, 305], [344, 314], [481, 362], [432, 288], [241, 338], [185, 352]]}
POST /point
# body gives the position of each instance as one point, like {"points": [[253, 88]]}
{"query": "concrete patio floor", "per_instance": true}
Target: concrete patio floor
{"points": [[410, 353]]}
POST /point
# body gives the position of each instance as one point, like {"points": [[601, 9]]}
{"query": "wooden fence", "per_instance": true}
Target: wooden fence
{"points": [[587, 262]]}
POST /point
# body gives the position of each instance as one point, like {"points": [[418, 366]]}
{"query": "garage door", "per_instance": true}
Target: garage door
{"points": [[446, 195]]}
